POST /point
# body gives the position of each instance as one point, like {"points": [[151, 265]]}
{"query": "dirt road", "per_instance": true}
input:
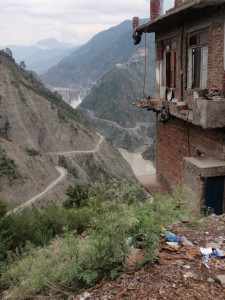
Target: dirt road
{"points": [[63, 174]]}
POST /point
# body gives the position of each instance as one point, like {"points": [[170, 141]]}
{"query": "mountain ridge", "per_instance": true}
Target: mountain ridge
{"points": [[43, 55], [94, 59], [35, 121]]}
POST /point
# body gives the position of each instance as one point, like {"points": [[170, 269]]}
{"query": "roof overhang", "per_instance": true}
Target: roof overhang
{"points": [[177, 14]]}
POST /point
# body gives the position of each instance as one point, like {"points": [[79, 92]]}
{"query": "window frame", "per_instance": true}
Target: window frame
{"points": [[197, 59], [170, 62]]}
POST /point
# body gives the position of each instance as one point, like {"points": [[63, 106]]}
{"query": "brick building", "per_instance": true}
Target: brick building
{"points": [[190, 85]]}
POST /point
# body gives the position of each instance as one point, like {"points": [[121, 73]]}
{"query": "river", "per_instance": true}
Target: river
{"points": [[139, 165], [143, 169]]}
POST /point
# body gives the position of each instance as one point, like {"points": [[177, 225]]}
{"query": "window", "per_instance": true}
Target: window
{"points": [[197, 60], [169, 58]]}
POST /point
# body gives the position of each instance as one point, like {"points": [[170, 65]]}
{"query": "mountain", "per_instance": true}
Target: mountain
{"points": [[52, 43], [109, 105], [115, 70], [89, 62], [43, 55], [39, 131]]}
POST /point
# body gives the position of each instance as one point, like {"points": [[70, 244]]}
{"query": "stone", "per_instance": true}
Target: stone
{"points": [[135, 257], [179, 262], [192, 252], [210, 280], [185, 219], [221, 279], [186, 266], [188, 274]]}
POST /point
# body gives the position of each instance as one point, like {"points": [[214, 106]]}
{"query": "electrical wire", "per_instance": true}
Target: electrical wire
{"points": [[145, 64]]}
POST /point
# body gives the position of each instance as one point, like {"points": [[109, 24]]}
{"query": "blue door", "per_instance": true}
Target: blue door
{"points": [[214, 190]]}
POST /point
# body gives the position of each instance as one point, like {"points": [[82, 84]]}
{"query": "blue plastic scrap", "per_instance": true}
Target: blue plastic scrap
{"points": [[219, 253], [172, 237]]}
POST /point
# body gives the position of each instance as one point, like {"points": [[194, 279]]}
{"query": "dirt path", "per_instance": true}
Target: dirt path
{"points": [[62, 172], [132, 129], [96, 149]]}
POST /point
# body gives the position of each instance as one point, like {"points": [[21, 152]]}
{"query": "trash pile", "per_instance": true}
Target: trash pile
{"points": [[213, 94], [190, 265]]}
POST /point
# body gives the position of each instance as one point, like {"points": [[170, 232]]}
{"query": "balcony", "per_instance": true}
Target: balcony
{"points": [[201, 112], [209, 113]]}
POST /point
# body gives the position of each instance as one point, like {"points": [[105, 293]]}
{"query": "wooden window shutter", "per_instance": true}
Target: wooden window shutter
{"points": [[168, 69], [173, 69], [164, 69], [204, 67]]}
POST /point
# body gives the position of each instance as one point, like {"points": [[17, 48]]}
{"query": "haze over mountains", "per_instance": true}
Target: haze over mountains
{"points": [[43, 55], [113, 69], [94, 59]]}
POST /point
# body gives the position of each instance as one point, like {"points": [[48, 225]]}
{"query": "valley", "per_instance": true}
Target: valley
{"points": [[35, 121], [109, 190], [62, 166], [104, 86]]}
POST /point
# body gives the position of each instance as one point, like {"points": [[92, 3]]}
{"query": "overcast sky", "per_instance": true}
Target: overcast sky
{"points": [[24, 22]]}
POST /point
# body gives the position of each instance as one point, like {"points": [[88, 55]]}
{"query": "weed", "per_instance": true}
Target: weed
{"points": [[32, 152]]}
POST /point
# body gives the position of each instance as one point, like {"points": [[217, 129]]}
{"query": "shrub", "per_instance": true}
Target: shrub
{"points": [[111, 214], [32, 152], [78, 196], [8, 168]]}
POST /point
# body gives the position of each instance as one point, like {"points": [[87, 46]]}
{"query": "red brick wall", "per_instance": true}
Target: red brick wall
{"points": [[178, 3], [216, 52], [215, 75], [177, 139], [159, 51]]}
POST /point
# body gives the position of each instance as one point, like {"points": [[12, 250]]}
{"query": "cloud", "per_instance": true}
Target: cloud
{"points": [[27, 21]]}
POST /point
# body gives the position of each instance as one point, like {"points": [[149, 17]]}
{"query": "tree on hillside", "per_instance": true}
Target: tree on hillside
{"points": [[22, 64], [8, 52]]}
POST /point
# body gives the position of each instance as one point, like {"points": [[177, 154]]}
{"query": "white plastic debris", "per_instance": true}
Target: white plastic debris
{"points": [[206, 251], [86, 296]]}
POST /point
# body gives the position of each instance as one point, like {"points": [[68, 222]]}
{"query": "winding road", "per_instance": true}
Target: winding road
{"points": [[96, 149], [62, 172]]}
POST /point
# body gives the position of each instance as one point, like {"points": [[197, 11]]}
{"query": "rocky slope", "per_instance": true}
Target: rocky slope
{"points": [[34, 123]]}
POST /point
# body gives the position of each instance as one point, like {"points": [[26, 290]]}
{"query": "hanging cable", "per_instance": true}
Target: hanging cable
{"points": [[145, 63]]}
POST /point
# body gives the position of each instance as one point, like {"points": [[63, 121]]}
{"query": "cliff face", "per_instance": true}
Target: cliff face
{"points": [[38, 131]]}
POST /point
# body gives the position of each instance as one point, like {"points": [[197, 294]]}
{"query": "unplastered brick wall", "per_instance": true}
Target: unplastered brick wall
{"points": [[178, 3], [213, 20], [216, 53], [177, 139]]}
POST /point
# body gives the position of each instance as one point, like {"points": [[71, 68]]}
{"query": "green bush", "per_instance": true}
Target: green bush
{"points": [[8, 168], [111, 214], [32, 152], [78, 196]]}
